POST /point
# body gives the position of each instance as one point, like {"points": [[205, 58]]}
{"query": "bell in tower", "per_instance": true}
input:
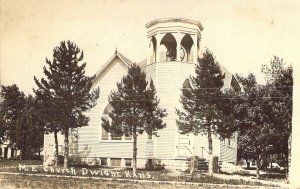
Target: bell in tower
{"points": [[175, 40]]}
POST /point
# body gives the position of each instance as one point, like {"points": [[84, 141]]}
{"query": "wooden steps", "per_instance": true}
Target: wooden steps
{"points": [[202, 165]]}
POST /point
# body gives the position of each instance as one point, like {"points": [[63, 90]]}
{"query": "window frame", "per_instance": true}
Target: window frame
{"points": [[116, 161], [126, 160], [103, 160]]}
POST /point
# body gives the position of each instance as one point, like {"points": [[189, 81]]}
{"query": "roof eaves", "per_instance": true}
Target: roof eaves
{"points": [[125, 60]]}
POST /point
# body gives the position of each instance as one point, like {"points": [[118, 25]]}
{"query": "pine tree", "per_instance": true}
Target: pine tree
{"points": [[68, 90], [203, 103], [135, 108]]}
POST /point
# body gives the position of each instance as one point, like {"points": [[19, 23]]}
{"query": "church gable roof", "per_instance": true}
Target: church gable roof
{"points": [[228, 77], [103, 69], [229, 80]]}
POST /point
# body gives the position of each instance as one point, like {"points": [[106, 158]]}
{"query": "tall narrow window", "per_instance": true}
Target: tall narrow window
{"points": [[105, 116], [104, 135]]}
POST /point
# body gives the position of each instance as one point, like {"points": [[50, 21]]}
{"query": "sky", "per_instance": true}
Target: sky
{"points": [[243, 35]]}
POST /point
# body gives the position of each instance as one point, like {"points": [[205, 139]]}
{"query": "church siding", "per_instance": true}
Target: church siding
{"points": [[228, 154], [167, 92], [228, 151], [90, 142], [151, 73]]}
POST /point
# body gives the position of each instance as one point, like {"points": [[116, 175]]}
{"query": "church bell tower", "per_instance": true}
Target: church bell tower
{"points": [[174, 47]]}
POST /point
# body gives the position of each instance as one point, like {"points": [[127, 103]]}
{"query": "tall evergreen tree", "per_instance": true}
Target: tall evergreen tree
{"points": [[203, 103], [69, 91], [135, 108]]}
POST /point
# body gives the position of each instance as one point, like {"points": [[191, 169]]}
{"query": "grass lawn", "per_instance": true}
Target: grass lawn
{"points": [[23, 181], [11, 165]]}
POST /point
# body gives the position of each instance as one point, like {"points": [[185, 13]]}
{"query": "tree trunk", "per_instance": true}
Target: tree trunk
{"points": [[289, 158], [56, 149], [210, 152], [21, 154], [66, 153], [258, 166], [194, 163], [134, 152]]}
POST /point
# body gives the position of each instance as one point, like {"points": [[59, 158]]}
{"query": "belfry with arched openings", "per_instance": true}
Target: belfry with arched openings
{"points": [[175, 40]]}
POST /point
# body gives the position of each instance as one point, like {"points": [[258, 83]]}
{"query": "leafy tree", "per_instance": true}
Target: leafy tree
{"points": [[2, 128], [69, 91], [49, 116], [267, 110], [23, 129], [33, 132], [280, 79], [12, 106], [135, 108], [2, 124], [205, 110], [255, 114]]}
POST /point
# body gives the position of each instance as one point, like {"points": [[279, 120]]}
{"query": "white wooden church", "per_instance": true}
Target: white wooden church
{"points": [[173, 49]]}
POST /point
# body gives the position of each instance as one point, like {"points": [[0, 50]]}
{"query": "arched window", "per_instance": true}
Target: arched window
{"points": [[153, 45], [105, 115], [111, 136], [186, 84], [186, 45], [168, 46]]}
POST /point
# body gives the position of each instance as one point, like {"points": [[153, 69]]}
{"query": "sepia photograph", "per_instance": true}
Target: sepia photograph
{"points": [[149, 94]]}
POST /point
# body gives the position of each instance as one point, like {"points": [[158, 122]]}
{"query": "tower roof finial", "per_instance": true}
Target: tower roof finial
{"points": [[116, 50]]}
